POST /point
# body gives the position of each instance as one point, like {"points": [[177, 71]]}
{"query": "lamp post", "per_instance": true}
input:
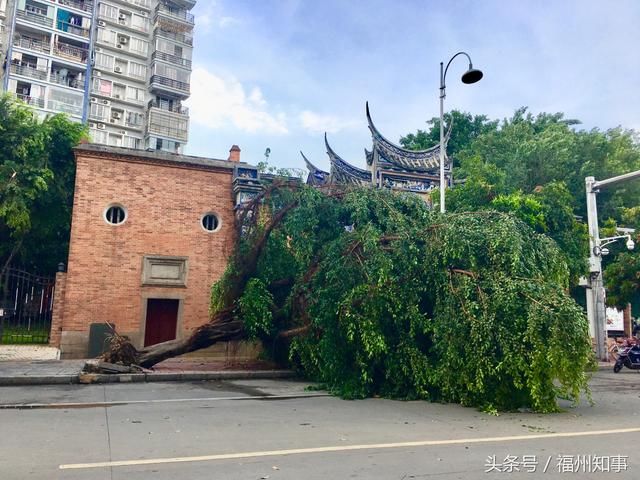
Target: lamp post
{"points": [[596, 306], [470, 76]]}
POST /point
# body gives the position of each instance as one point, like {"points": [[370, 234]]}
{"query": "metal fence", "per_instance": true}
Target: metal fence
{"points": [[26, 306]]}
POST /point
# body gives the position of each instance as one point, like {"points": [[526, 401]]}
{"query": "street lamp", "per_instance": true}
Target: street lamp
{"points": [[596, 307], [472, 75]]}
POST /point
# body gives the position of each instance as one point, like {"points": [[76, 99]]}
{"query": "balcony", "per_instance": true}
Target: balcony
{"points": [[175, 13], [69, 52], [31, 44], [33, 101], [85, 6], [178, 37], [28, 71], [67, 81], [172, 123], [33, 17], [70, 108], [167, 57], [166, 108], [73, 29], [138, 3], [164, 83]]}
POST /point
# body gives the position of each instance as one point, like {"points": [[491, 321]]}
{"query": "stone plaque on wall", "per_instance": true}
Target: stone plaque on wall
{"points": [[164, 271]]}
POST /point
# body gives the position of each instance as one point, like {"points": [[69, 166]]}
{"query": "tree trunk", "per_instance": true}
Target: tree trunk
{"points": [[223, 327]]}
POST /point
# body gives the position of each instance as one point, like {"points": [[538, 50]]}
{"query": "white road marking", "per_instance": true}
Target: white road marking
{"points": [[342, 448], [115, 403]]}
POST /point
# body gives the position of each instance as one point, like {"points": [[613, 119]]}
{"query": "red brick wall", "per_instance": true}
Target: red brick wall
{"points": [[164, 206]]}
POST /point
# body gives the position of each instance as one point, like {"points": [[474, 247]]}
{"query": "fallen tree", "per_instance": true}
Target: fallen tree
{"points": [[371, 293]]}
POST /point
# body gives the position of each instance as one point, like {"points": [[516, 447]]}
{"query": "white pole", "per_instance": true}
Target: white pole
{"points": [[442, 95], [595, 270]]}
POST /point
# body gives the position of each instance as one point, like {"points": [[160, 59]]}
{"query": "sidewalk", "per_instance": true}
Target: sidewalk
{"points": [[57, 372]]}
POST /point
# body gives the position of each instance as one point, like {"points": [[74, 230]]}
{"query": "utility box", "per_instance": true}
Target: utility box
{"points": [[99, 334]]}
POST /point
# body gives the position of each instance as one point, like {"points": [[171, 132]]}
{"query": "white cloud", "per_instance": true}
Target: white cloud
{"points": [[317, 123], [211, 16], [226, 21], [218, 102]]}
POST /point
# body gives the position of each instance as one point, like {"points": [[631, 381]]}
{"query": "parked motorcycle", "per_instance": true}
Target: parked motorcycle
{"points": [[628, 357]]}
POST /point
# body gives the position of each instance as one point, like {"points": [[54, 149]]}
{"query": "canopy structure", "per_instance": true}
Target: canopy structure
{"points": [[388, 166]]}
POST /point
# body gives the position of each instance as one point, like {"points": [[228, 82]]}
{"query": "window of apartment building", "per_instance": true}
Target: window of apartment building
{"points": [[108, 11], [99, 136], [170, 47], [130, 142], [119, 91], [172, 72], [135, 119], [104, 61], [103, 87], [135, 94], [140, 23], [137, 70], [120, 66], [35, 7], [138, 45], [98, 111], [106, 36], [115, 140]]}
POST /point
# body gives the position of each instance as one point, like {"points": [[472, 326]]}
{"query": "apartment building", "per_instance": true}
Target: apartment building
{"points": [[122, 66]]}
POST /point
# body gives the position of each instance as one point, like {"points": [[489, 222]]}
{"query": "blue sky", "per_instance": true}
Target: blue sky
{"points": [[279, 73]]}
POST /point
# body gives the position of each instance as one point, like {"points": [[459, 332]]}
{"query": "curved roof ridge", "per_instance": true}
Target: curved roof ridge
{"points": [[345, 168], [378, 136], [310, 166]]}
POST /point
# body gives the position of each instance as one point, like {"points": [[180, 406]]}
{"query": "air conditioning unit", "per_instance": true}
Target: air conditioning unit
{"points": [[106, 102], [102, 23], [118, 46], [98, 49], [92, 125], [94, 100], [115, 115], [123, 132], [101, 126], [122, 17], [117, 95], [123, 40], [118, 69], [113, 120]]}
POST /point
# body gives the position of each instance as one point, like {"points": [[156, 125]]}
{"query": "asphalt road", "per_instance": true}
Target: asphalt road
{"points": [[278, 430]]}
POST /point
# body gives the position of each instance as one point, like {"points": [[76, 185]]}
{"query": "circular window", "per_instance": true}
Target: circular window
{"points": [[210, 222], [115, 215]]}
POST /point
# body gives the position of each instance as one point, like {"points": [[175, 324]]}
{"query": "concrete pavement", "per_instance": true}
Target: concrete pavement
{"points": [[64, 372], [254, 429]]}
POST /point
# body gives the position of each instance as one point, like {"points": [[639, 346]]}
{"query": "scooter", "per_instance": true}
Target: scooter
{"points": [[628, 357]]}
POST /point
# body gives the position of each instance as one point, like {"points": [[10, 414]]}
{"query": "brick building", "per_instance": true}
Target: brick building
{"points": [[151, 232]]}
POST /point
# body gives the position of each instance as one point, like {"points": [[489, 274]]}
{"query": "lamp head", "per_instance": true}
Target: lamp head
{"points": [[472, 75], [631, 244]]}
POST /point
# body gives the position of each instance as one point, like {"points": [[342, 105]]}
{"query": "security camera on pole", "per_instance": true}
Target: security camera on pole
{"points": [[596, 307]]}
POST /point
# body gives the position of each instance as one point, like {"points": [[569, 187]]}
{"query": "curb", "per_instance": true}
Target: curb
{"points": [[90, 378]]}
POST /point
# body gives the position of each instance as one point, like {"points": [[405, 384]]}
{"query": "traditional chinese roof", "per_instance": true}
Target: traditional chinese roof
{"points": [[316, 176], [369, 156], [343, 172], [392, 156]]}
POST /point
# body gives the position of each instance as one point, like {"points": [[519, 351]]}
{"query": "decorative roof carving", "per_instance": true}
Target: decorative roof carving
{"points": [[316, 176], [419, 161], [344, 172]]}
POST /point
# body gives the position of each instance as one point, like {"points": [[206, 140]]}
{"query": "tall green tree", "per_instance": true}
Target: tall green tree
{"points": [[464, 129], [534, 166], [36, 186]]}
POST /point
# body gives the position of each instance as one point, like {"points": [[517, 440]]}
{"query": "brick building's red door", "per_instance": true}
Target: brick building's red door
{"points": [[162, 320]]}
